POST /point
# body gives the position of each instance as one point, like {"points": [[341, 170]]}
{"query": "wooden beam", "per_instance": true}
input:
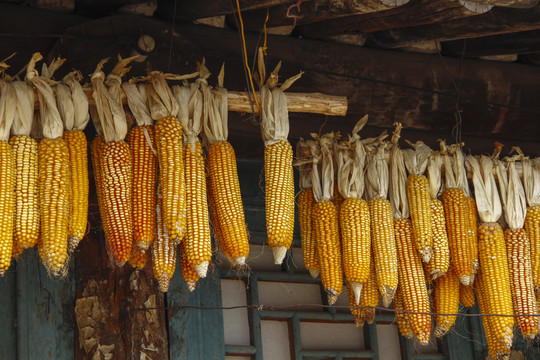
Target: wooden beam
{"points": [[495, 22], [523, 4], [518, 43], [414, 13]]}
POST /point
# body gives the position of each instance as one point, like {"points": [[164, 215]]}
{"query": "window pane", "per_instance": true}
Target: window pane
{"points": [[331, 336], [235, 321], [389, 346], [282, 293], [275, 340]]}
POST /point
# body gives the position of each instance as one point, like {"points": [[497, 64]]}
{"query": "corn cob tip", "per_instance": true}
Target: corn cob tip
{"points": [[177, 240], [436, 274], [357, 290], [239, 261], [202, 269], [143, 245], [387, 294], [440, 331], [191, 285], [73, 242], [120, 264], [466, 280], [425, 253], [332, 296], [314, 273], [2, 272], [279, 254], [424, 341], [369, 315], [358, 321], [163, 283]]}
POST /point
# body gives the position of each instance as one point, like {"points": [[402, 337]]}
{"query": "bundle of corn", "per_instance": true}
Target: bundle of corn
{"points": [[446, 302], [73, 107], [115, 163], [383, 241], [369, 299], [306, 202], [163, 249], [223, 176], [354, 212], [7, 175], [54, 178], [402, 317], [419, 200], [325, 220], [531, 183], [278, 157], [518, 248], [198, 242], [440, 258], [411, 273], [143, 154], [25, 152], [189, 273], [495, 279], [461, 240]]}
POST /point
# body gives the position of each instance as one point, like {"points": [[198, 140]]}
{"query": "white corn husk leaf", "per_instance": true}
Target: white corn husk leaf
{"points": [[327, 168], [377, 173], [65, 105], [449, 178], [161, 99], [460, 171], [485, 189], [216, 113], [183, 94], [316, 170], [96, 121], [434, 173], [80, 100], [351, 158], [416, 159], [8, 109], [398, 188], [516, 203], [22, 125], [275, 117], [138, 103], [303, 161], [531, 180]]}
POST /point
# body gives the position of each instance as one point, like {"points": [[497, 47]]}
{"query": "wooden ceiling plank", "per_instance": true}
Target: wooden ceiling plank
{"points": [[523, 4], [495, 22], [414, 13], [517, 43]]}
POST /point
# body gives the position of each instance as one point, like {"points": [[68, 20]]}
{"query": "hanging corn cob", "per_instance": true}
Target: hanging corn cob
{"points": [[446, 302], [54, 186], [198, 242], [73, 107], [354, 212], [325, 221], [189, 273], [383, 241], [224, 184], [411, 273], [492, 251], [7, 175], [440, 258], [518, 248], [466, 295], [25, 152], [278, 156], [531, 183], [306, 202], [138, 258], [143, 154], [355, 310], [419, 200], [463, 246], [115, 163], [402, 318], [163, 249], [370, 297]]}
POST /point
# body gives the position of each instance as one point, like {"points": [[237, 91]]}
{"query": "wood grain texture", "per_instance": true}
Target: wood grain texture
{"points": [[523, 4]]}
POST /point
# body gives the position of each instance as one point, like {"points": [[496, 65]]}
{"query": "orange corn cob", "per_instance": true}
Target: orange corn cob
{"points": [[532, 227], [472, 239], [163, 251], [306, 202], [411, 279], [466, 295], [216, 229], [188, 271], [138, 258], [144, 185], [446, 302], [96, 150], [370, 297], [440, 260], [420, 208], [402, 318], [355, 311], [7, 205]]}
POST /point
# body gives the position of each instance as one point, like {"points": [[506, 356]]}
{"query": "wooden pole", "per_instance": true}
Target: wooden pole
{"points": [[314, 103]]}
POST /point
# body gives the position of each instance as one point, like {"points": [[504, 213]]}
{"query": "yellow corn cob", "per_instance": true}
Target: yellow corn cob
{"points": [[496, 280], [17, 250], [355, 311], [446, 302], [328, 248], [356, 242], [188, 271], [440, 259], [306, 202], [420, 208], [25, 152], [138, 258], [466, 295], [532, 227], [228, 201], [96, 150], [198, 241], [457, 224], [383, 243], [168, 136], [472, 239], [78, 160], [163, 250], [402, 318], [144, 185], [54, 192], [279, 197], [7, 205], [411, 279], [370, 296], [117, 177], [523, 297], [216, 229]]}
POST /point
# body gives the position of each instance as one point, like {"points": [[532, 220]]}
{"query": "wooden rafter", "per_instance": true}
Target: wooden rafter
{"points": [[517, 43]]}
